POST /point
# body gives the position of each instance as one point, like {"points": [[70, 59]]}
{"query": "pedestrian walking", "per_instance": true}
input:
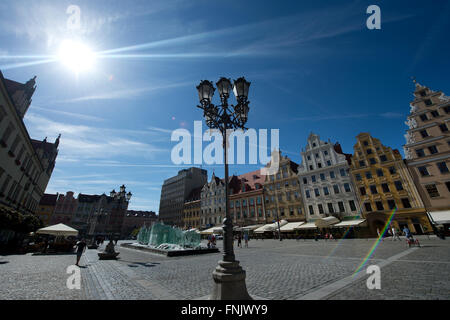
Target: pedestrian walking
{"points": [[246, 239], [81, 246], [407, 233], [379, 233], [395, 235], [239, 241]]}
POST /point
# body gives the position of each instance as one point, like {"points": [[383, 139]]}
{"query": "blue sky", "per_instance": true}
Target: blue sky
{"points": [[313, 65]]}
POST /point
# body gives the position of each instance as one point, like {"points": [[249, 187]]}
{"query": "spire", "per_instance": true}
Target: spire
{"points": [[30, 87], [57, 141]]}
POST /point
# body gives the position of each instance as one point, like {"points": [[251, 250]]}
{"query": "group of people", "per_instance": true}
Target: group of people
{"points": [[239, 240], [211, 241], [395, 234]]}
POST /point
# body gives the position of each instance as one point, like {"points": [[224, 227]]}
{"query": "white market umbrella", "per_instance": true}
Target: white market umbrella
{"points": [[58, 230]]}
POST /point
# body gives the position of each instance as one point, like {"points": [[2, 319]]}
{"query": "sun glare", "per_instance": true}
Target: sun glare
{"points": [[76, 56]]}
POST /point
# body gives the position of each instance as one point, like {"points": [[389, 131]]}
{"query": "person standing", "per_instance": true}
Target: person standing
{"points": [[81, 246], [239, 241], [407, 232], [246, 239]]}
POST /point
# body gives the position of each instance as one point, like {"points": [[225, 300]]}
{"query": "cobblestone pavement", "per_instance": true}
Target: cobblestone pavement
{"points": [[275, 269], [24, 277]]}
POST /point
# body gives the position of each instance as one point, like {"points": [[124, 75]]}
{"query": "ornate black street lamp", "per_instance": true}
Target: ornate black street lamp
{"points": [[229, 277]]}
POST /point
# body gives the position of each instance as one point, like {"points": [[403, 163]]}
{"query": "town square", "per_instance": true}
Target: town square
{"points": [[192, 152]]}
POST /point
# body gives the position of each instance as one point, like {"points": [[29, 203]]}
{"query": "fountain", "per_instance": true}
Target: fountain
{"points": [[165, 239]]}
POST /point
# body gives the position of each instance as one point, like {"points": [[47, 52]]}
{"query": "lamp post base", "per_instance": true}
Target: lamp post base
{"points": [[229, 282]]}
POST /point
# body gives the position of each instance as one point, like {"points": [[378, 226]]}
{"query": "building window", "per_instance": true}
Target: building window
{"points": [[391, 204], [307, 194], [424, 133], [305, 181], [322, 176], [309, 158], [398, 185], [319, 165], [332, 176], [352, 205], [316, 192], [341, 206], [325, 152], [362, 190], [313, 178], [365, 143], [362, 163], [368, 206], [379, 205], [435, 114], [448, 185], [372, 161], [358, 177], [330, 207], [405, 202], [392, 170], [317, 155], [380, 172], [311, 167], [442, 166], [336, 189], [428, 102], [433, 149], [328, 163], [383, 158], [385, 187], [311, 210], [369, 175], [342, 171], [347, 187], [325, 191], [320, 208], [423, 171], [423, 117], [432, 190], [443, 127], [7, 132], [373, 189]]}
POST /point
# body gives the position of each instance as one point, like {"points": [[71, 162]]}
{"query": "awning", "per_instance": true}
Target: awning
{"points": [[308, 225], [326, 222], [208, 231], [253, 227], [270, 227], [350, 223], [440, 217], [291, 226], [59, 229]]}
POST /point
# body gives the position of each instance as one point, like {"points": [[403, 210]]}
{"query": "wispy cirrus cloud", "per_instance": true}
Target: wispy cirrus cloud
{"points": [[125, 93], [82, 142], [66, 113]]}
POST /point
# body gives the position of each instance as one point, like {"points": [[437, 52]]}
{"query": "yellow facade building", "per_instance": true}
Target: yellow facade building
{"points": [[383, 183], [191, 210], [282, 195], [46, 207]]}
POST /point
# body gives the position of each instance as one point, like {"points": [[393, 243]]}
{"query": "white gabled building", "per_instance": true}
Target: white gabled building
{"points": [[326, 186]]}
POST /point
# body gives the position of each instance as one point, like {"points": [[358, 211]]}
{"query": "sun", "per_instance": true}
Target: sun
{"points": [[76, 56]]}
